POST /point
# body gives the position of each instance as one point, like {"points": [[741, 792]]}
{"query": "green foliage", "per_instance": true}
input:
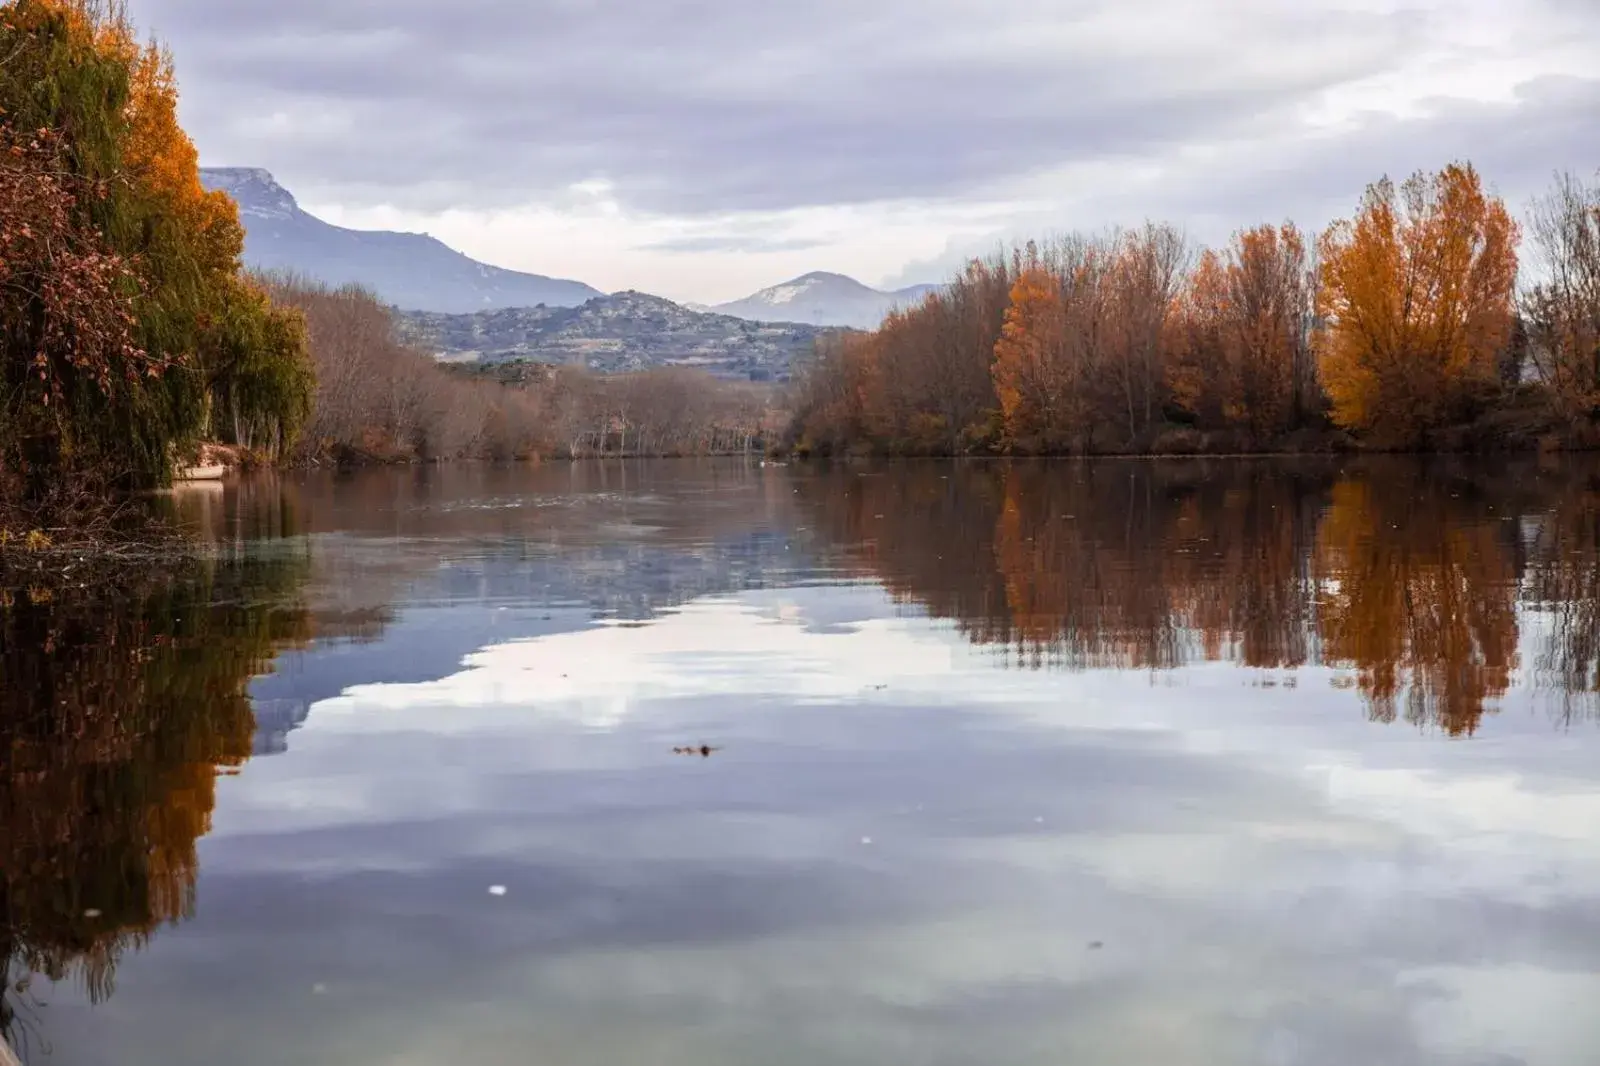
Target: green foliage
{"points": [[205, 349], [261, 381]]}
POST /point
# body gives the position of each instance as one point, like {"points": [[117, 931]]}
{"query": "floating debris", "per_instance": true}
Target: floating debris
{"points": [[703, 750], [497, 890]]}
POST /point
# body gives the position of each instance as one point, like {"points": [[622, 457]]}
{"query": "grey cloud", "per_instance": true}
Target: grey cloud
{"points": [[718, 105], [1516, 146], [732, 243]]}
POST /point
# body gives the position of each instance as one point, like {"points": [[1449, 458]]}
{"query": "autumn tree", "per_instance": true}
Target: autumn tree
{"points": [[1200, 364], [919, 384], [832, 391], [971, 313], [93, 115], [1240, 339], [66, 312], [1417, 293], [1146, 271], [935, 393], [1080, 363], [1033, 377], [1561, 310]]}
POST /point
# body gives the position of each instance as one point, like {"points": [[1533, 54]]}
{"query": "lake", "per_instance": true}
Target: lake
{"points": [[1178, 762]]}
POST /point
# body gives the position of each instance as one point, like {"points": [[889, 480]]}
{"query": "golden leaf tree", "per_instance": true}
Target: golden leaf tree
{"points": [[1030, 373], [1417, 298]]}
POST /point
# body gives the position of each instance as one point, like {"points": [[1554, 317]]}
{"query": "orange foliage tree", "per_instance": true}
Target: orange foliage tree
{"points": [[920, 384], [1032, 375], [94, 115], [1240, 341], [1080, 361], [1417, 297]]}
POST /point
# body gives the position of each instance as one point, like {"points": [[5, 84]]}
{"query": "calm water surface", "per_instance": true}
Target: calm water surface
{"points": [[1123, 762]]}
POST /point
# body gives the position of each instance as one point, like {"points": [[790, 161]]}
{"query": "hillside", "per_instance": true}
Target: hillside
{"points": [[624, 331], [824, 299], [409, 270]]}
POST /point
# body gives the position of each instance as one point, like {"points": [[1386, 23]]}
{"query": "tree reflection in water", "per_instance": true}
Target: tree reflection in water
{"points": [[118, 709], [1416, 582], [1415, 579]]}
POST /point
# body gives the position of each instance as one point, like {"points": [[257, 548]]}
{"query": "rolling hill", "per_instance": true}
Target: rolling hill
{"points": [[620, 332]]}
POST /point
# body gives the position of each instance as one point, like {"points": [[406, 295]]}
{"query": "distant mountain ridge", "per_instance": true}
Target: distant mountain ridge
{"points": [[821, 298], [621, 332], [463, 309], [409, 270]]}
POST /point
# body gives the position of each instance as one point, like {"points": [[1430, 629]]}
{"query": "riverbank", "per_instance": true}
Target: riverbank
{"points": [[1525, 424]]}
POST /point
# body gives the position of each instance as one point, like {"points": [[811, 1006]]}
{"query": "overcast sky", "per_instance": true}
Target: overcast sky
{"points": [[701, 149]]}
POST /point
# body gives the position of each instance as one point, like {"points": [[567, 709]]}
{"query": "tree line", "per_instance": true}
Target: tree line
{"points": [[1403, 326], [379, 399]]}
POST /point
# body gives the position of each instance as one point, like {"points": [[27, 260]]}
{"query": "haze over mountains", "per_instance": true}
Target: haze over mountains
{"points": [[416, 272]]}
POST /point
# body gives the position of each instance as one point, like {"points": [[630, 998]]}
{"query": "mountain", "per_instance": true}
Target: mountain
{"points": [[824, 299], [623, 331], [410, 270]]}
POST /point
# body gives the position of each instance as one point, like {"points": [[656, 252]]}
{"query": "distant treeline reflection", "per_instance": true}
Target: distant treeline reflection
{"points": [[1420, 582], [118, 708]]}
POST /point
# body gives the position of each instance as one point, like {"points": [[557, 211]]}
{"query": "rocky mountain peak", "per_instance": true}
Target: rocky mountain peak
{"points": [[258, 193], [409, 270]]}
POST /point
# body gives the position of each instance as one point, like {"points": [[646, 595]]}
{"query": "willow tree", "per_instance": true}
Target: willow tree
{"points": [[139, 242]]}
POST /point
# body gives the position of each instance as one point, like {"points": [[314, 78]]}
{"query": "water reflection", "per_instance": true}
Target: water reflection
{"points": [[1421, 587], [1419, 579], [118, 708], [1031, 826]]}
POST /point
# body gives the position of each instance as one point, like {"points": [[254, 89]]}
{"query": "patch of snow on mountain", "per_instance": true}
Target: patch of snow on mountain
{"points": [[257, 192], [782, 294]]}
